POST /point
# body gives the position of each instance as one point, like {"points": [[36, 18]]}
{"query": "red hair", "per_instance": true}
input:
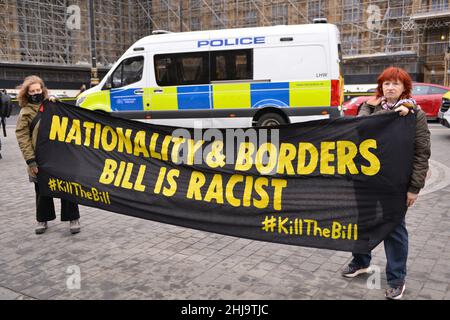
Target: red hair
{"points": [[393, 73]]}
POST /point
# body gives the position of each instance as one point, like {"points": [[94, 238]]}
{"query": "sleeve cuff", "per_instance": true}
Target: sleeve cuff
{"points": [[32, 162], [414, 190]]}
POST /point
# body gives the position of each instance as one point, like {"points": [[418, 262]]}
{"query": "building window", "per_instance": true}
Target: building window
{"points": [[376, 68], [398, 8], [216, 3], [218, 20], [357, 69], [436, 41], [195, 4], [438, 5], [353, 11], [164, 5], [195, 24], [394, 41], [163, 25], [279, 14], [251, 18], [350, 44], [316, 9]]}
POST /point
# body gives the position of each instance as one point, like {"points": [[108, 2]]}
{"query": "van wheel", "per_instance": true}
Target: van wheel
{"points": [[270, 119]]}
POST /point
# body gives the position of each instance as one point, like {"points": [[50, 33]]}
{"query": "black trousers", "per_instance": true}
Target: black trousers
{"points": [[45, 208]]}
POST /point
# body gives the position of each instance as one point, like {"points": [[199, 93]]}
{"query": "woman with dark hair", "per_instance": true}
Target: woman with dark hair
{"points": [[393, 94], [31, 95]]}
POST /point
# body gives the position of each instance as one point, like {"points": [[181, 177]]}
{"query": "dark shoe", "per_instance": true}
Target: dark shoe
{"points": [[41, 227], [395, 293], [352, 271], [75, 226]]}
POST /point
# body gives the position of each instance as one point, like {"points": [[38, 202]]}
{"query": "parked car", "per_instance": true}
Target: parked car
{"points": [[427, 95], [444, 112], [351, 107]]}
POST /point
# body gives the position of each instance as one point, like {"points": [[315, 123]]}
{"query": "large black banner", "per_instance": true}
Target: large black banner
{"points": [[338, 184]]}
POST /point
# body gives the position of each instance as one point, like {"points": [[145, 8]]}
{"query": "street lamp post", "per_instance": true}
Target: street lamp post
{"points": [[94, 73]]}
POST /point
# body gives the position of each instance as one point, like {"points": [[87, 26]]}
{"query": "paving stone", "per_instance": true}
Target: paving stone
{"points": [[309, 266], [438, 286], [7, 294], [430, 294]]}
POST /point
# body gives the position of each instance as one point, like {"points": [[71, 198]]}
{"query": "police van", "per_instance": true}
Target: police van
{"points": [[226, 78]]}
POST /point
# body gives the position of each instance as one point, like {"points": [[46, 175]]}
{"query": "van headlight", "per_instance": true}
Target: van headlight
{"points": [[80, 101]]}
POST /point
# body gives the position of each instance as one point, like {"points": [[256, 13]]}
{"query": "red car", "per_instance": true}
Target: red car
{"points": [[427, 95]]}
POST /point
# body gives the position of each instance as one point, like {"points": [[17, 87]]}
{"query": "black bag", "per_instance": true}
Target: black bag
{"points": [[5, 109], [5, 105]]}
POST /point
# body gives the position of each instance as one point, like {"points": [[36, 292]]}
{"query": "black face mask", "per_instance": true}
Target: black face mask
{"points": [[36, 98]]}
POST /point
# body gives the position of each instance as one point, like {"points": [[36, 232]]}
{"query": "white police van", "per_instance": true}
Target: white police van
{"points": [[226, 78]]}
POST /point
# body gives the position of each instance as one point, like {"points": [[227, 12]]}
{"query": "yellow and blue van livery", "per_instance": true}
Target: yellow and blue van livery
{"points": [[255, 95], [231, 78]]}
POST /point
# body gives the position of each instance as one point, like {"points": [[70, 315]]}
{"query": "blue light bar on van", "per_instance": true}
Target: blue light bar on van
{"points": [[231, 42]]}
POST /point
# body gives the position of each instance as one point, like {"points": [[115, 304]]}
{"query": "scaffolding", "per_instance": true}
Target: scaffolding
{"points": [[374, 33], [56, 32], [351, 16], [411, 33]]}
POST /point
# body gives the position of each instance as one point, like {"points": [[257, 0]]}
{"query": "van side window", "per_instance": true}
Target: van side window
{"points": [[129, 71], [231, 65], [181, 69]]}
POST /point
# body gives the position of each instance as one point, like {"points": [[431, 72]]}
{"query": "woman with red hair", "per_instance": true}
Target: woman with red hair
{"points": [[393, 94]]}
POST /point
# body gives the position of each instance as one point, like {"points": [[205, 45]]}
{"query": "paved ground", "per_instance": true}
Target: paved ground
{"points": [[120, 257]]}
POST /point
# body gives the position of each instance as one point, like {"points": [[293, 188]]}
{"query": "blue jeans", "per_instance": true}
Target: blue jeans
{"points": [[396, 248]]}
